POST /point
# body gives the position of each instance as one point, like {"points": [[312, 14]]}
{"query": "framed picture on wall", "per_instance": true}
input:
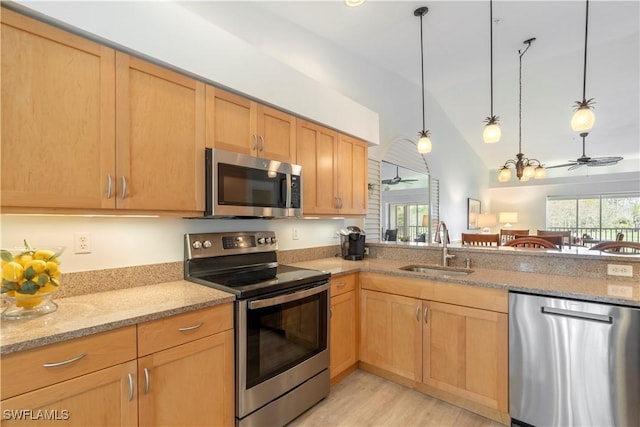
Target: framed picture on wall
{"points": [[473, 210]]}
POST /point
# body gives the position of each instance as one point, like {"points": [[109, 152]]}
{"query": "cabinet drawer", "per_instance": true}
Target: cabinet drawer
{"points": [[175, 330], [342, 284], [32, 369]]}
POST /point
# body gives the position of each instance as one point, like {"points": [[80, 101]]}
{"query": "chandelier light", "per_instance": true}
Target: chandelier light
{"points": [[525, 168], [583, 118], [424, 142], [492, 130]]}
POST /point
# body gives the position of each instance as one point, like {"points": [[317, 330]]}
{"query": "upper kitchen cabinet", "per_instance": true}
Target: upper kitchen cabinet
{"points": [[334, 170], [58, 133], [238, 124], [160, 138]]}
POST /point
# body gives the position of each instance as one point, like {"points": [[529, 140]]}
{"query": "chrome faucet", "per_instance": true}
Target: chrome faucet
{"points": [[442, 236]]}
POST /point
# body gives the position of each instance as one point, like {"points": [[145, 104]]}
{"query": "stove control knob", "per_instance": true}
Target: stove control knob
{"points": [[261, 240], [273, 240], [206, 244], [196, 244]]}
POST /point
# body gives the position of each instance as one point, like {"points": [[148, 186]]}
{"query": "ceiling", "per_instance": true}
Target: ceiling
{"points": [[456, 36]]}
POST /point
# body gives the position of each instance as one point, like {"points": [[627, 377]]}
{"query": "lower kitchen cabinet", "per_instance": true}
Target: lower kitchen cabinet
{"points": [[344, 320], [186, 369], [449, 341]]}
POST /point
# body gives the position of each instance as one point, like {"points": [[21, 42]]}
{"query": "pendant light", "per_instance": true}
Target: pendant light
{"points": [[492, 130], [525, 168], [583, 119], [424, 142]]}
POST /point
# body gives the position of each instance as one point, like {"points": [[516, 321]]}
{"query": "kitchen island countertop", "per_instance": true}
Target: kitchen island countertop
{"points": [[583, 288], [82, 315]]}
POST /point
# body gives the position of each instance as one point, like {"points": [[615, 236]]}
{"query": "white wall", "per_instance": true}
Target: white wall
{"points": [[125, 241]]}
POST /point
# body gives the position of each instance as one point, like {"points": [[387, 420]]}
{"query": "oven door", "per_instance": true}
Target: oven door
{"points": [[282, 341]]}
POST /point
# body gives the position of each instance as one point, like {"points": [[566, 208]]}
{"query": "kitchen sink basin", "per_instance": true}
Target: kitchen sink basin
{"points": [[436, 271]]}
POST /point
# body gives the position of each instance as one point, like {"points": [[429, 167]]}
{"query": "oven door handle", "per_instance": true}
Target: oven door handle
{"points": [[281, 299]]}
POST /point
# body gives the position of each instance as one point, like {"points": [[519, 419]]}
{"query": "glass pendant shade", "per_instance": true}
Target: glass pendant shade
{"points": [[505, 174], [540, 173], [424, 144], [529, 171], [583, 119], [491, 133]]}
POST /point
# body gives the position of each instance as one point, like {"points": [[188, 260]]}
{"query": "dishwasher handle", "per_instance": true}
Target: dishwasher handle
{"points": [[577, 314]]}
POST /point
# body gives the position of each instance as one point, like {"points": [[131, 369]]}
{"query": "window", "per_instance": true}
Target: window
{"points": [[596, 218], [407, 219]]}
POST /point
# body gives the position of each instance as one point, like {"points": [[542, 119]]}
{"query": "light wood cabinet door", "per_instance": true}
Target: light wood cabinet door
{"points": [[352, 176], [466, 353], [343, 343], [189, 385], [231, 122], [58, 117], [159, 138], [391, 333], [276, 135], [317, 153], [104, 398]]}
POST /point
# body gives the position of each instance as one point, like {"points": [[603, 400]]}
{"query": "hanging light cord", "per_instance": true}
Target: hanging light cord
{"points": [[491, 49], [521, 52], [586, 33], [422, 71]]}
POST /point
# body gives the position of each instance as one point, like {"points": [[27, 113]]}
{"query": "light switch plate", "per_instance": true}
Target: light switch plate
{"points": [[620, 270]]}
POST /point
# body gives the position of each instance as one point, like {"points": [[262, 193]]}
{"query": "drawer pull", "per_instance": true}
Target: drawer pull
{"points": [[190, 328], [130, 376], [147, 381], [341, 285], [64, 362]]}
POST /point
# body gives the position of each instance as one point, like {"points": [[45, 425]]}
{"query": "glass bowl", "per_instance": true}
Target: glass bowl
{"points": [[30, 277]]}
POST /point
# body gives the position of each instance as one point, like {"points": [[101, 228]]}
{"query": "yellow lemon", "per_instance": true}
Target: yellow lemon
{"points": [[52, 268], [26, 300], [10, 293], [12, 272], [43, 254], [38, 265], [23, 259], [48, 287]]}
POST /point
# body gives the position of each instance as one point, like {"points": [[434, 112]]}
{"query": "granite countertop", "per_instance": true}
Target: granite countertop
{"points": [[583, 288], [82, 315]]}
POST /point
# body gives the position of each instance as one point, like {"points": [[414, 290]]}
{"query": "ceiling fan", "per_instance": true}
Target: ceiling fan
{"points": [[586, 160], [396, 179]]}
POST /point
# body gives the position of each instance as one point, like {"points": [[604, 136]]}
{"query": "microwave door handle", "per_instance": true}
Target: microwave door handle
{"points": [[281, 299], [287, 191]]}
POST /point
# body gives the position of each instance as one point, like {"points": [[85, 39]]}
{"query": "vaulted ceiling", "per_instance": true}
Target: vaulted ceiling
{"points": [[385, 34]]}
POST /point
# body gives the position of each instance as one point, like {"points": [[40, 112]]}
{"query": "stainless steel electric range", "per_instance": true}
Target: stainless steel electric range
{"points": [[281, 323]]}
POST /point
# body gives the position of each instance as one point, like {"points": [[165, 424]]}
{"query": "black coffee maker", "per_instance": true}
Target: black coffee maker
{"points": [[352, 243]]}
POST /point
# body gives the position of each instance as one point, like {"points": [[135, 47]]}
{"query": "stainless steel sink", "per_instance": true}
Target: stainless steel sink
{"points": [[436, 271]]}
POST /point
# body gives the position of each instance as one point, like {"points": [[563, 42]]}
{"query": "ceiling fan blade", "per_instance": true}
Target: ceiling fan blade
{"points": [[561, 166], [408, 180], [576, 166]]}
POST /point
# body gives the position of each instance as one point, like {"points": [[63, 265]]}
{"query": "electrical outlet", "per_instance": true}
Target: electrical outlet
{"points": [[295, 234], [82, 242], [620, 291], [620, 270], [366, 251]]}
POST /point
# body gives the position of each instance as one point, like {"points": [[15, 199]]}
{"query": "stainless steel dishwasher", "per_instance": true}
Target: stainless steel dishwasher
{"points": [[573, 363]]}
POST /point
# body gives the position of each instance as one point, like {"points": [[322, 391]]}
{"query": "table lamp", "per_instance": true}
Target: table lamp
{"points": [[507, 218], [486, 221]]}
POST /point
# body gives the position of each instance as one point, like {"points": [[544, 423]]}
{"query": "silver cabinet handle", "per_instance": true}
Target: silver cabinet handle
{"points": [[261, 143], [339, 202], [426, 318], [147, 381], [124, 187], [130, 376], [254, 138], [341, 285], [109, 186], [190, 328], [418, 313], [64, 362]]}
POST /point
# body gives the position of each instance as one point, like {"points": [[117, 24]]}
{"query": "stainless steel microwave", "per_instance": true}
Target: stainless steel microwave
{"points": [[241, 186]]}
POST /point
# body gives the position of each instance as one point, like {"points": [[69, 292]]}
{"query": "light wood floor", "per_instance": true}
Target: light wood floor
{"points": [[364, 399]]}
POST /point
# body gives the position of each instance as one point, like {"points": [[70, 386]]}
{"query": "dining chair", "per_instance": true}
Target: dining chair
{"points": [[617, 247], [481, 239], [530, 242], [555, 238], [507, 234], [566, 236]]}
